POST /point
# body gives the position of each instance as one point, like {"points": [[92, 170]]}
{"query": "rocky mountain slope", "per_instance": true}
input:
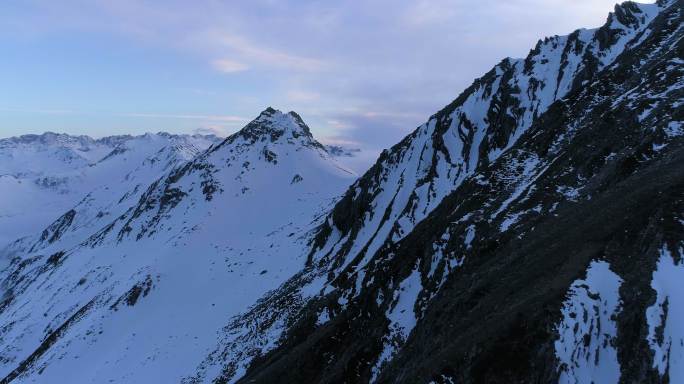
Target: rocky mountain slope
{"points": [[133, 286], [530, 231]]}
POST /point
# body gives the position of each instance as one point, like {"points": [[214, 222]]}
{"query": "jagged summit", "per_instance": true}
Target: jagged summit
{"points": [[625, 25], [273, 125], [629, 13], [277, 128]]}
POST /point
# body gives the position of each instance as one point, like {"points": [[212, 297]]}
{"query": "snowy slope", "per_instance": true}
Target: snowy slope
{"points": [[42, 176], [586, 346], [139, 294], [665, 317], [51, 153], [35, 172]]}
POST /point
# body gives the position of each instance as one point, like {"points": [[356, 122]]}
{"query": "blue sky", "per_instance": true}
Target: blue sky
{"points": [[359, 72]]}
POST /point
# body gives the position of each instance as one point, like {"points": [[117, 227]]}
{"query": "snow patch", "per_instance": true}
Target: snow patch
{"points": [[587, 332], [402, 319], [666, 317]]}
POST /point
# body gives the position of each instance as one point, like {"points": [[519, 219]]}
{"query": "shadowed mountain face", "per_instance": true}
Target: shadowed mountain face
{"points": [[530, 231]]}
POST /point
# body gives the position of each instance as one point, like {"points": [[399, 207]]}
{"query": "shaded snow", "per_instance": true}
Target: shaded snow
{"points": [[666, 317], [402, 319], [587, 332]]}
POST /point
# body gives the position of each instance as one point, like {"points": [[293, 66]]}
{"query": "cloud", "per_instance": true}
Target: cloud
{"points": [[229, 66], [263, 55]]}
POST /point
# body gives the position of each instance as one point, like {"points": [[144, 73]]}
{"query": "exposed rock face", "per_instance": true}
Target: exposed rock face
{"points": [[465, 252]]}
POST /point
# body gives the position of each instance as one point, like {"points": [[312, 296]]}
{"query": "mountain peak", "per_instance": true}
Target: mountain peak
{"points": [[274, 125], [282, 121], [632, 15]]}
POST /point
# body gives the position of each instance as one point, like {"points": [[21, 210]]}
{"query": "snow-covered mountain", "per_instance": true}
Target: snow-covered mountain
{"points": [[530, 231], [43, 176], [466, 252], [133, 286]]}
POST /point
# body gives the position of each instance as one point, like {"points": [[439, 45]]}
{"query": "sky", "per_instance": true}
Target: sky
{"points": [[360, 73]]}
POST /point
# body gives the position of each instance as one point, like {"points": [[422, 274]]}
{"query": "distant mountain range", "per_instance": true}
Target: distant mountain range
{"points": [[43, 176], [530, 231]]}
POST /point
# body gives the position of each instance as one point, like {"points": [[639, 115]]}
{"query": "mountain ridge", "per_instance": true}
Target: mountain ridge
{"points": [[340, 266], [530, 231]]}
